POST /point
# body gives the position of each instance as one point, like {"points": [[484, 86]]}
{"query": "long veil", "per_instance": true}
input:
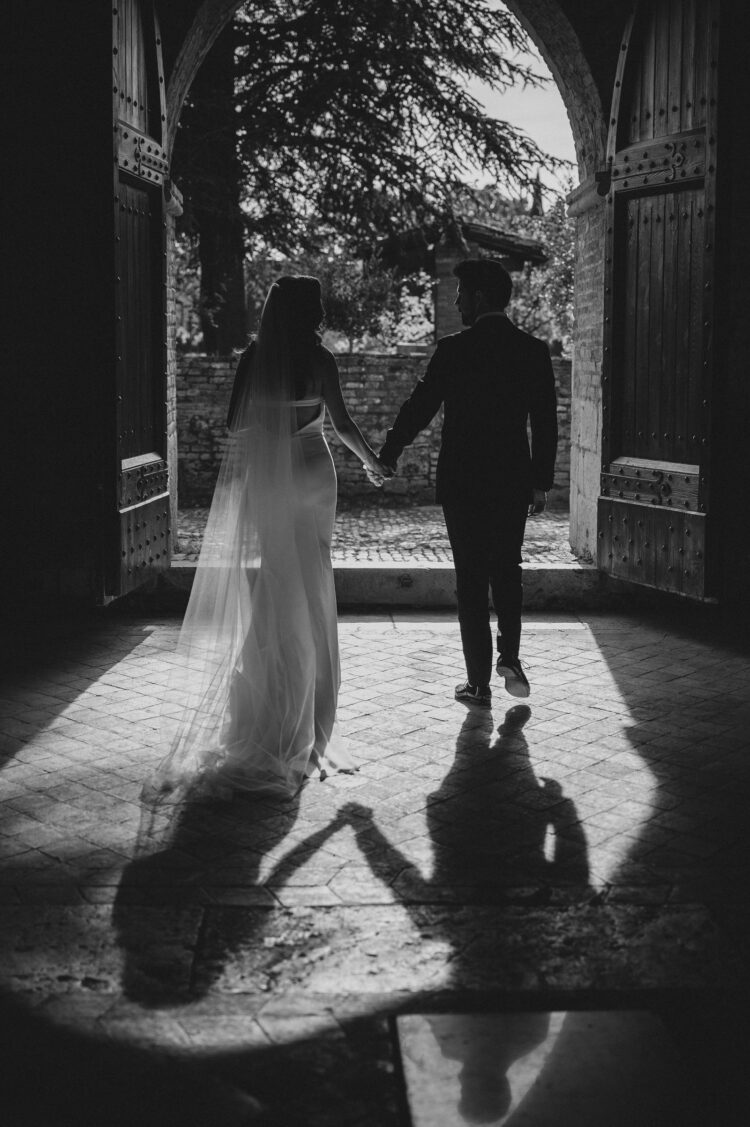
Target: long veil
{"points": [[257, 669]]}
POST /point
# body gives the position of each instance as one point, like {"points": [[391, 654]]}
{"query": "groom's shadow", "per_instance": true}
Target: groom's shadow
{"points": [[499, 835], [495, 828], [202, 852]]}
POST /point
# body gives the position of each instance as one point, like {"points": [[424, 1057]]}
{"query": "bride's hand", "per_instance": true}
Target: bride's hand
{"points": [[375, 479], [377, 471]]}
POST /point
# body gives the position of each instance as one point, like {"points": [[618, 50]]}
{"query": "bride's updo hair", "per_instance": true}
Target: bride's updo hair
{"points": [[302, 300]]}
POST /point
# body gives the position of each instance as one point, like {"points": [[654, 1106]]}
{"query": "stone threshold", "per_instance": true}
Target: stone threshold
{"points": [[414, 583]]}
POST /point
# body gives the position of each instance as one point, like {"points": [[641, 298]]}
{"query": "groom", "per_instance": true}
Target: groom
{"points": [[492, 379]]}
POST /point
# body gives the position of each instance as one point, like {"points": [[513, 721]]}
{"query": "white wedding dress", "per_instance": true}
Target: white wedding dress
{"points": [[280, 722], [253, 704]]}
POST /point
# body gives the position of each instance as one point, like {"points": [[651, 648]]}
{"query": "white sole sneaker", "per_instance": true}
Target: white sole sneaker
{"points": [[515, 679]]}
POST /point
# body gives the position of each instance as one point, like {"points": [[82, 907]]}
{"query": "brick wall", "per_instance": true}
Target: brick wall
{"points": [[374, 385], [559, 497]]}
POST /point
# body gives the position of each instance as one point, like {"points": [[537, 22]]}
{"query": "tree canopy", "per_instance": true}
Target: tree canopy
{"points": [[321, 119]]}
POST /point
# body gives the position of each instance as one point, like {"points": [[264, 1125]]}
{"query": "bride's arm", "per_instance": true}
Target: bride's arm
{"points": [[343, 423], [385, 859], [300, 853]]}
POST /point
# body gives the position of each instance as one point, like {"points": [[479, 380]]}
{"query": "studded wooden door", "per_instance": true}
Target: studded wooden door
{"points": [[140, 165], [654, 506]]}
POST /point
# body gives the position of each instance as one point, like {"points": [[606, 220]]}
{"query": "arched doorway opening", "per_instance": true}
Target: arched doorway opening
{"points": [[565, 53]]}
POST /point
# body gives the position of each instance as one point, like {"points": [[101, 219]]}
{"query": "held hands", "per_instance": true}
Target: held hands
{"points": [[377, 471], [354, 812], [538, 502]]}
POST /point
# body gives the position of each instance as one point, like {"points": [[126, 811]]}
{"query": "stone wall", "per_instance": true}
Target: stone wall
{"points": [[374, 386], [588, 208]]}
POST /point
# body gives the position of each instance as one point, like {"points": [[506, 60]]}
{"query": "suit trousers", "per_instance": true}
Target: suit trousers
{"points": [[486, 541]]}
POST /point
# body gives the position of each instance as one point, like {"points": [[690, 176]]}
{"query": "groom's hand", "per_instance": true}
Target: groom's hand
{"points": [[538, 502], [391, 467]]}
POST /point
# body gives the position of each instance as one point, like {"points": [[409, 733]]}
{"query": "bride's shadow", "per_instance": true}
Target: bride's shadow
{"points": [[200, 853]]}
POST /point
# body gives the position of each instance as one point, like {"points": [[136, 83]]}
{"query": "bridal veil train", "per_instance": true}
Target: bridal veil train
{"points": [[257, 659]]}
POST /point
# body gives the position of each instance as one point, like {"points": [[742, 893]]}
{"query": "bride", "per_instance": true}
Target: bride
{"points": [[258, 658]]}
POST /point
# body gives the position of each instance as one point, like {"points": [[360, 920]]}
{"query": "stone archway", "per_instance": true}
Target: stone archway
{"points": [[581, 53], [210, 19]]}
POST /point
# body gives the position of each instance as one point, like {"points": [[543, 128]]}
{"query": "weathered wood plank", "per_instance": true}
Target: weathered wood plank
{"points": [[662, 28], [647, 62], [670, 407], [625, 345], [643, 436], [652, 546], [674, 92], [691, 116], [696, 374], [661, 424]]}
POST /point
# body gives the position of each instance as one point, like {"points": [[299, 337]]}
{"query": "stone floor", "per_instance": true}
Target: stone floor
{"points": [[402, 534], [585, 852]]}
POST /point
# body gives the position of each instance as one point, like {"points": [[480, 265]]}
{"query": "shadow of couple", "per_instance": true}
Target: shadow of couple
{"points": [[493, 829]]}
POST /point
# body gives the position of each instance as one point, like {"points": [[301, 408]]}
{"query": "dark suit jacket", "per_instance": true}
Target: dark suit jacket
{"points": [[491, 378]]}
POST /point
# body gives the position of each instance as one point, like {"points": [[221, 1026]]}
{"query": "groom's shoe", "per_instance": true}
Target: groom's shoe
{"points": [[516, 682], [474, 694]]}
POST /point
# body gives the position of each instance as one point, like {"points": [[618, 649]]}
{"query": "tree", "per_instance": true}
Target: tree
{"points": [[350, 119], [542, 301], [208, 163]]}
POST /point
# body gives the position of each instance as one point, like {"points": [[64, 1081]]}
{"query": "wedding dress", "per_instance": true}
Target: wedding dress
{"points": [[257, 675]]}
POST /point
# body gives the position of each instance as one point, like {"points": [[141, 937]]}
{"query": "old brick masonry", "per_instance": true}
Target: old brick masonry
{"points": [[374, 385]]}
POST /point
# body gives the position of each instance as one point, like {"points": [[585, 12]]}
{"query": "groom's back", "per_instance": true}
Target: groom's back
{"points": [[491, 376]]}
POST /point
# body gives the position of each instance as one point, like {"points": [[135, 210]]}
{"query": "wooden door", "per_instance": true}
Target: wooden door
{"points": [[141, 473], [654, 511]]}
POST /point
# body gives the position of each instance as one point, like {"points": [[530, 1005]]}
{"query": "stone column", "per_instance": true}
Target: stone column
{"points": [[173, 209], [588, 208]]}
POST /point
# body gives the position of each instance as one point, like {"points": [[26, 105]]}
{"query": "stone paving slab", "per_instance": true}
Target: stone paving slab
{"points": [[592, 841], [381, 951], [629, 761], [161, 955]]}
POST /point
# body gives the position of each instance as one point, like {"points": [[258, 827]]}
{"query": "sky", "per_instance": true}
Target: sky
{"points": [[539, 112]]}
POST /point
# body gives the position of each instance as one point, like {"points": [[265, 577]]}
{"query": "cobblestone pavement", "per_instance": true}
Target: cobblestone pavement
{"points": [[403, 534], [591, 845]]}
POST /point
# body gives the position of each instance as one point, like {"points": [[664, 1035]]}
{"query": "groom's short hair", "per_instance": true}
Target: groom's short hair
{"points": [[489, 276]]}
